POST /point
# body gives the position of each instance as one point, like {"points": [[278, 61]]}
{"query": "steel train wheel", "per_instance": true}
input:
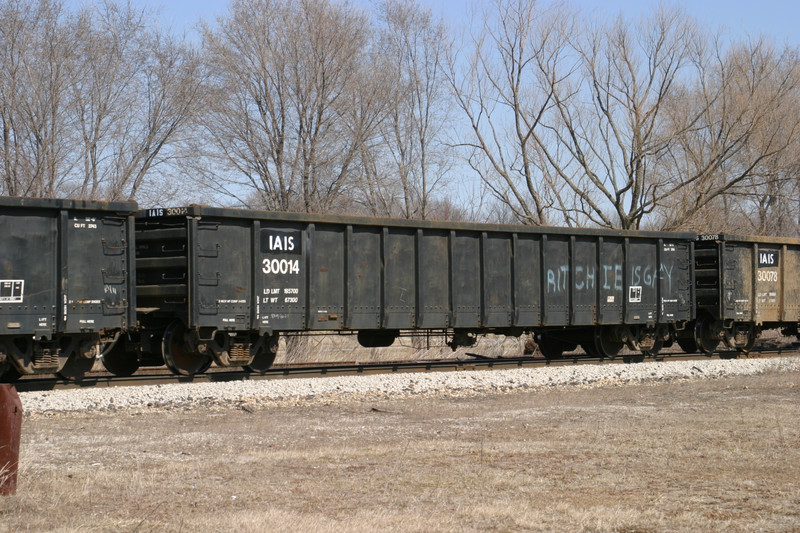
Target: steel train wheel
{"points": [[751, 341], [179, 357], [264, 352], [76, 367], [707, 342], [551, 349], [9, 373], [687, 344], [606, 343], [119, 361]]}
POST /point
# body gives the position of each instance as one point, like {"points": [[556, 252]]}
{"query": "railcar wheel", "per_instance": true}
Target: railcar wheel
{"points": [[119, 361], [179, 357], [264, 352], [705, 338], [751, 341], [687, 344], [550, 349], [9, 373], [606, 343], [76, 367]]}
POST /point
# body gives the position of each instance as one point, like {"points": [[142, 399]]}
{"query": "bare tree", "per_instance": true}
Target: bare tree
{"points": [[283, 75], [607, 123], [134, 90], [91, 102], [36, 49], [500, 94], [378, 189], [606, 140], [741, 142], [568, 115], [412, 51]]}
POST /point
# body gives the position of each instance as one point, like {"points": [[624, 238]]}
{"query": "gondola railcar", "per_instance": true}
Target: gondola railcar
{"points": [[220, 285], [744, 285], [66, 283]]}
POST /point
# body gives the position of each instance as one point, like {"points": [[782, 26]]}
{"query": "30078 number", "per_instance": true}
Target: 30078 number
{"points": [[280, 266], [767, 275]]}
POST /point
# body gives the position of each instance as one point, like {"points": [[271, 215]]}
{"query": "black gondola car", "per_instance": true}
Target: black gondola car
{"points": [[66, 283], [221, 284]]}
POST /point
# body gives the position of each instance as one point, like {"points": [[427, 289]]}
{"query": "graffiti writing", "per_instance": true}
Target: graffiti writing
{"points": [[585, 277]]}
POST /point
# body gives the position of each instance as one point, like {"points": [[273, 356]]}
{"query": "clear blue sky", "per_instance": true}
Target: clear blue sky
{"points": [[779, 19]]}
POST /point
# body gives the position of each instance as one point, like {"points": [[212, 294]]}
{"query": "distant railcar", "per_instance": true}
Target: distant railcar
{"points": [[744, 285], [66, 283]]}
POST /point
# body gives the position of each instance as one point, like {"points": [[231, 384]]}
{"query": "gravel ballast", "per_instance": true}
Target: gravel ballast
{"points": [[251, 394]]}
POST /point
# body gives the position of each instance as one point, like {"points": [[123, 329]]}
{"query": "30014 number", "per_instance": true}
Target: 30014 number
{"points": [[280, 266]]}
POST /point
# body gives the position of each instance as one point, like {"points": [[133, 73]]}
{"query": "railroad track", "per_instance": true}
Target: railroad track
{"points": [[478, 362]]}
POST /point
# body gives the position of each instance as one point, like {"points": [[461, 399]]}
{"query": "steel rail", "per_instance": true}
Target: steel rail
{"points": [[479, 362]]}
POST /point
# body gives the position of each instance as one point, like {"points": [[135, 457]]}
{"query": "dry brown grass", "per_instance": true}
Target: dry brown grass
{"points": [[707, 455]]}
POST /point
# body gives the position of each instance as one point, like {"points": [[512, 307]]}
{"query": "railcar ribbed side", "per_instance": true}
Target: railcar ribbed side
{"points": [[66, 283], [222, 284]]}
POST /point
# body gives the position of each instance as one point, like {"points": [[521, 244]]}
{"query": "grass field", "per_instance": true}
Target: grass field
{"points": [[718, 455]]}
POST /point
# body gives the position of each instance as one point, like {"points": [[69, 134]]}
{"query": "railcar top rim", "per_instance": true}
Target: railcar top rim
{"points": [[61, 203], [760, 239], [227, 212]]}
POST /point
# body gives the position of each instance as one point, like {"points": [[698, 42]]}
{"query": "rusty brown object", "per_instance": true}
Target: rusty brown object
{"points": [[10, 429]]}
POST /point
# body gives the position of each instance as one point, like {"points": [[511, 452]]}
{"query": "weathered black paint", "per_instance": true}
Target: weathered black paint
{"points": [[341, 273], [67, 269]]}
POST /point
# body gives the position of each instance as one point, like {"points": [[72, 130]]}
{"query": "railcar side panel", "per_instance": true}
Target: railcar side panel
{"points": [[29, 282], [768, 261], [364, 288], [641, 297], [675, 273], [222, 271], [497, 261], [528, 280], [557, 280], [609, 280], [465, 278], [433, 287], [400, 278], [280, 277], [97, 297], [326, 276], [791, 283], [584, 284], [737, 300]]}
